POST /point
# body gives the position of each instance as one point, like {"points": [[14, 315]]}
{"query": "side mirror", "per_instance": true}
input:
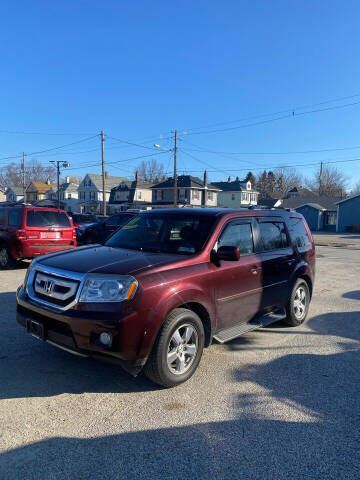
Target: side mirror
{"points": [[228, 253]]}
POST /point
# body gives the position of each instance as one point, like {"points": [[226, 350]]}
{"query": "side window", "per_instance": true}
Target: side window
{"points": [[298, 233], [273, 236], [2, 217], [15, 218], [238, 235]]}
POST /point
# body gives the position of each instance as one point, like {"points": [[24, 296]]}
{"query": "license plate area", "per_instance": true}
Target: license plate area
{"points": [[50, 235], [35, 328]]}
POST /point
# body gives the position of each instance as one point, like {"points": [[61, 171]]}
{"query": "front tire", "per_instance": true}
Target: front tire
{"points": [[177, 350], [298, 306]]}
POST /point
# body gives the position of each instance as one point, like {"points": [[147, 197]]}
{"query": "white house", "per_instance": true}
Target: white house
{"points": [[130, 194], [236, 193], [14, 194], [90, 191]]}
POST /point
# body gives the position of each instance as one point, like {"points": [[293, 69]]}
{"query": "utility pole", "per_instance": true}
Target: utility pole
{"points": [[320, 178], [175, 171], [58, 164], [24, 177], [103, 170]]}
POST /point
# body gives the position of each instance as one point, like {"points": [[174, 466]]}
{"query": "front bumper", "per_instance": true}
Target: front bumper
{"points": [[77, 330]]}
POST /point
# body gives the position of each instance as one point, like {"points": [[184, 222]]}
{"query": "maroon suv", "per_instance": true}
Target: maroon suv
{"points": [[170, 282], [27, 232]]}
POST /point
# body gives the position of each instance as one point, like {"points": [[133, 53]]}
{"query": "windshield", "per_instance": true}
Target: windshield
{"points": [[46, 218], [164, 232]]}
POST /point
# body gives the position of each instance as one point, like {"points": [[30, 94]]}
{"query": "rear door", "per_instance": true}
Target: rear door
{"points": [[49, 227], [277, 258], [238, 284]]}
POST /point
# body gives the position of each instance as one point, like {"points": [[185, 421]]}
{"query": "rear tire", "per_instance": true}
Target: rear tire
{"points": [[6, 259], [298, 306], [177, 350]]}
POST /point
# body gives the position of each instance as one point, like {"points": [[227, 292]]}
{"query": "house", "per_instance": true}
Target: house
{"points": [[68, 196], [130, 194], [14, 194], [91, 191], [320, 212], [36, 191], [192, 192], [236, 193], [2, 194], [348, 214]]}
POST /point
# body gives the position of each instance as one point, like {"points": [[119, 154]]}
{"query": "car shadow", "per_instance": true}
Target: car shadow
{"points": [[296, 418], [353, 295]]}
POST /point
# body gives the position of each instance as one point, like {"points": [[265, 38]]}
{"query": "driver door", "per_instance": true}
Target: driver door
{"points": [[238, 284]]}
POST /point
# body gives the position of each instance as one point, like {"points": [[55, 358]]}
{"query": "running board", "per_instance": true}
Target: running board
{"points": [[228, 334]]}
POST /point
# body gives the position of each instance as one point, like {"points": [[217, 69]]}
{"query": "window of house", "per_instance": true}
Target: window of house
{"points": [[159, 194], [330, 218], [237, 235], [273, 235], [69, 195], [245, 197], [210, 195], [233, 196], [15, 218], [92, 195], [195, 194], [139, 195], [298, 233]]}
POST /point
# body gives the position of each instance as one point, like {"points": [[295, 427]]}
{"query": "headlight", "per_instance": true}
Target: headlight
{"points": [[27, 273], [108, 288]]}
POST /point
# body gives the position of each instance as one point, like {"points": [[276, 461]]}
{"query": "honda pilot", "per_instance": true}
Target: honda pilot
{"points": [[168, 284]]}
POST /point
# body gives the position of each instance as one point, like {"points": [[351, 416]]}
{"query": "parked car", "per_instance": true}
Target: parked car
{"points": [[81, 221], [170, 282], [99, 232], [26, 232]]}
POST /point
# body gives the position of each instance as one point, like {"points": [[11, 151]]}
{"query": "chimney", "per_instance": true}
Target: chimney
{"points": [[67, 179], [137, 176], [48, 181], [205, 178], [229, 179], [106, 174]]}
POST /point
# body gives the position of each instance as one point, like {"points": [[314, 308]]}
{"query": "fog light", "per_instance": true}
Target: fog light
{"points": [[105, 338]]}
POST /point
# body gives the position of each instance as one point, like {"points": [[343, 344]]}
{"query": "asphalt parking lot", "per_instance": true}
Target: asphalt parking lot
{"points": [[278, 403]]}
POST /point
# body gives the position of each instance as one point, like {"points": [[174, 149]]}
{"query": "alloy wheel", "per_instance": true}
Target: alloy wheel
{"points": [[4, 257], [300, 302], [182, 349]]}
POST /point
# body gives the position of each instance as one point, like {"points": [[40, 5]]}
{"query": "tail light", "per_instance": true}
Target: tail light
{"points": [[74, 234], [21, 234]]}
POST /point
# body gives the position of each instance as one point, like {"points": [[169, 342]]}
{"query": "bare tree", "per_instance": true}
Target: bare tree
{"points": [[151, 170], [278, 182], [11, 174], [356, 189], [328, 181]]}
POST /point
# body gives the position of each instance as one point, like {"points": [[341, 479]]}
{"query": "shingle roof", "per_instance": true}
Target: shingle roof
{"points": [[184, 181], [110, 181], [348, 198], [234, 186], [68, 187], [43, 187], [326, 203], [267, 202], [16, 190]]}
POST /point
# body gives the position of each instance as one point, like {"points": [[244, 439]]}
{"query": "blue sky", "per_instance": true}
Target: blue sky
{"points": [[139, 69]]}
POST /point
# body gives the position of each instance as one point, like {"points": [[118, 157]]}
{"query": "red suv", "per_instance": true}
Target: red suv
{"points": [[170, 282], [26, 232]]}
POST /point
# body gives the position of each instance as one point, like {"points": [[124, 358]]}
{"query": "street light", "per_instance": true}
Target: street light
{"points": [[59, 164]]}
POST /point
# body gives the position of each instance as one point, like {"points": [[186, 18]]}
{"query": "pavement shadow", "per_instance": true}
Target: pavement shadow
{"points": [[264, 441], [353, 295]]}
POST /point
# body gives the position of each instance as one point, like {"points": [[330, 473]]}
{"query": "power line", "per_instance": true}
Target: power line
{"points": [[289, 110], [292, 114], [16, 132]]}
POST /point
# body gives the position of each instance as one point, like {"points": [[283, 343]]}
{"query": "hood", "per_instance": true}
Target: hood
{"points": [[102, 259]]}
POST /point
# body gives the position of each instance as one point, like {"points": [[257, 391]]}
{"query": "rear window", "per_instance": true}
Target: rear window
{"points": [[273, 235], [15, 218], [44, 218], [298, 233]]}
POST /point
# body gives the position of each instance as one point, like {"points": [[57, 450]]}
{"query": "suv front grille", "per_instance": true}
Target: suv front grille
{"points": [[53, 286]]}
